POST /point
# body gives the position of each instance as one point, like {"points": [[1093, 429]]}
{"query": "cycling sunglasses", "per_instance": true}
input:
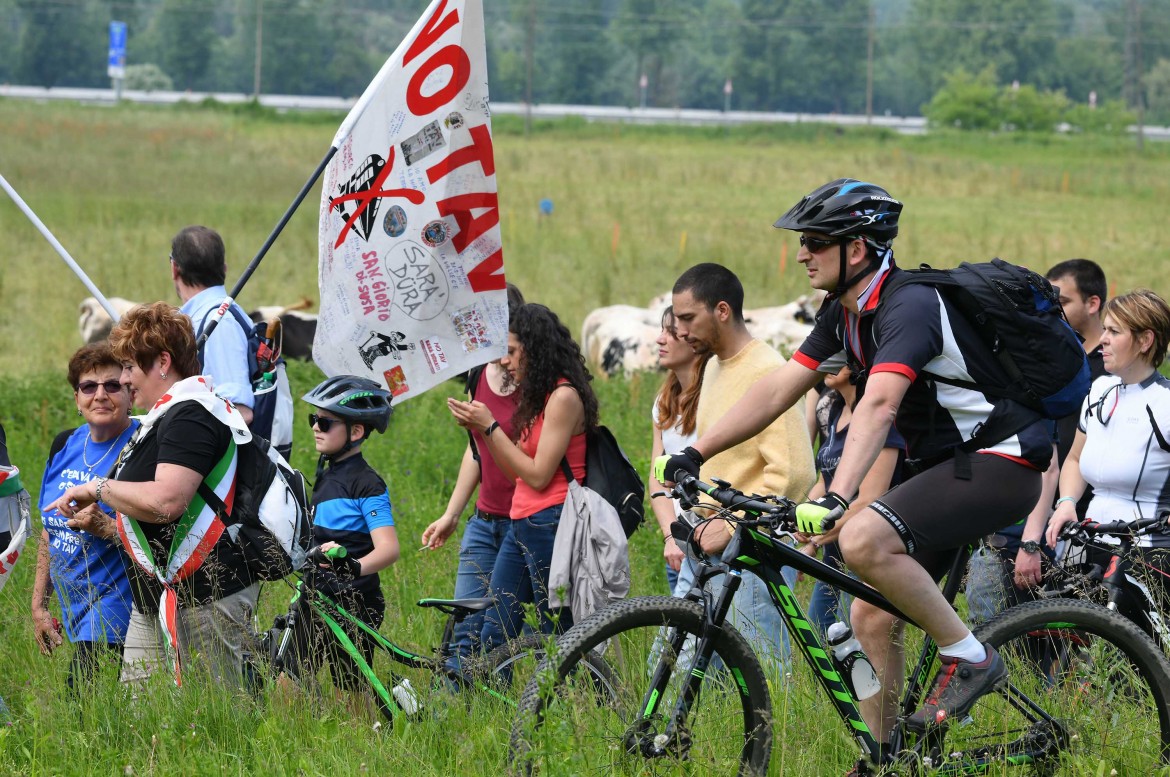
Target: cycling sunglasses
{"points": [[1103, 416], [322, 423], [90, 387], [816, 245]]}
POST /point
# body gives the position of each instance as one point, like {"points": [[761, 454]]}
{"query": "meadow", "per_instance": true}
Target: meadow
{"points": [[632, 208]]}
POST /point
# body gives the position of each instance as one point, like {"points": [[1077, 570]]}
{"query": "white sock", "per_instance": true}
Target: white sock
{"points": [[966, 649]]}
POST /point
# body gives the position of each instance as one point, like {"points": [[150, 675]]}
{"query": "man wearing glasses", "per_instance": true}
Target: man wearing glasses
{"points": [[198, 270], [900, 352]]}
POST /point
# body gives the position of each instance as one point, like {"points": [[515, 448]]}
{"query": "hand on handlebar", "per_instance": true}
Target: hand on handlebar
{"points": [[336, 558], [819, 516], [666, 468]]}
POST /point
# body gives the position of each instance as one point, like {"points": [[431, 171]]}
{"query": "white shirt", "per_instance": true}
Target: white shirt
{"points": [[673, 441]]}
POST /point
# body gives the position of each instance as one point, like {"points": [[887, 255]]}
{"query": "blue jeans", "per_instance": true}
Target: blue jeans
{"points": [[988, 584], [477, 557], [752, 612], [825, 606], [520, 576]]}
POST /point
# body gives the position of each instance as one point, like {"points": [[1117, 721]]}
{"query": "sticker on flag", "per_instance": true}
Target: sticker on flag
{"points": [[411, 267]]}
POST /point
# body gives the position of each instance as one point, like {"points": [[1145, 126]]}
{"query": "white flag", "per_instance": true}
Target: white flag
{"points": [[411, 267]]}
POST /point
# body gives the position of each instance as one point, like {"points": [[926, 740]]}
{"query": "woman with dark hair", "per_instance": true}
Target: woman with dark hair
{"points": [[674, 426], [491, 521], [85, 570], [556, 407], [183, 564]]}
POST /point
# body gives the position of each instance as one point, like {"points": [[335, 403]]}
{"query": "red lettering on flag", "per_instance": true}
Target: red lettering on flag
{"points": [[480, 151], [488, 275], [375, 191], [452, 56], [470, 227], [431, 32]]}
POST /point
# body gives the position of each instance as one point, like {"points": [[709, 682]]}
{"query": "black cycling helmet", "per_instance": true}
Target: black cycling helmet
{"points": [[847, 208], [355, 400]]}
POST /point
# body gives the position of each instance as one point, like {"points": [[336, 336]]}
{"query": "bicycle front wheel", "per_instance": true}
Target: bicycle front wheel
{"points": [[650, 643], [1088, 693]]}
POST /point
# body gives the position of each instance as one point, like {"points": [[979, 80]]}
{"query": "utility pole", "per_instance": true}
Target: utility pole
{"points": [[869, 69], [529, 54], [1141, 97], [259, 49]]}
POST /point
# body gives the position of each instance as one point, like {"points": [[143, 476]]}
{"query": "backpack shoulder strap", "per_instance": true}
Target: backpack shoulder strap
{"points": [[471, 383]]}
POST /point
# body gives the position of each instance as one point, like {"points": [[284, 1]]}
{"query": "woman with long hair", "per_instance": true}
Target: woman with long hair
{"points": [[183, 563], [554, 410], [673, 414], [85, 570]]}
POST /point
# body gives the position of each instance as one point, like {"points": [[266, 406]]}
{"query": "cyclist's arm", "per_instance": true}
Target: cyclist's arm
{"points": [[663, 508], [868, 430], [876, 483], [1028, 572], [758, 407], [1072, 484], [385, 550]]}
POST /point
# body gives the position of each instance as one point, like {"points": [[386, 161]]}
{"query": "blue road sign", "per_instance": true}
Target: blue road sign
{"points": [[117, 58]]}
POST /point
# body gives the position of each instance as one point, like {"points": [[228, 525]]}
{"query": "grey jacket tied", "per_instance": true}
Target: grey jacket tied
{"points": [[590, 561]]}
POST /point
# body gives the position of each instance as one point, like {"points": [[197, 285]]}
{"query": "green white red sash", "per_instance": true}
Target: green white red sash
{"points": [[14, 518], [199, 528]]}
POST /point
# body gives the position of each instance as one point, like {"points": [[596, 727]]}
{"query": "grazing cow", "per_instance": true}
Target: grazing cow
{"points": [[620, 338], [297, 327]]}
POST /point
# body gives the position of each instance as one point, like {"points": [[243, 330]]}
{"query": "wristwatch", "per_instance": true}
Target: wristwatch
{"points": [[1031, 547]]}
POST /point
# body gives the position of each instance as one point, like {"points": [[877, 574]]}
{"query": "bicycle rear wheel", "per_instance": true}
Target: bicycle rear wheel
{"points": [[561, 728], [509, 668], [1088, 693]]}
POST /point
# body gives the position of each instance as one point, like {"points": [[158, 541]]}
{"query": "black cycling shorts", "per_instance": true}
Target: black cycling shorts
{"points": [[935, 512]]}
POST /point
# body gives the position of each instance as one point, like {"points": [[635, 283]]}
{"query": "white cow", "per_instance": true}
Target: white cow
{"points": [[94, 322], [620, 338]]}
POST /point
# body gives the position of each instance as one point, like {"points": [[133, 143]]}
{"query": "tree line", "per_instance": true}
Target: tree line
{"points": [[847, 56]]}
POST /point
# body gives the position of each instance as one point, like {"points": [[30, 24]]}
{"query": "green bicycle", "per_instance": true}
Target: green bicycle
{"points": [[500, 674], [1088, 691]]}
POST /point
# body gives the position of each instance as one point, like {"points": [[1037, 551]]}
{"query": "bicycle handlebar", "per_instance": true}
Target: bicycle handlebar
{"points": [[1119, 529], [770, 511], [318, 556]]}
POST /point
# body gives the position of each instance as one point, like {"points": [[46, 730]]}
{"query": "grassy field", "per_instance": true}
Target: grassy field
{"points": [[116, 184]]}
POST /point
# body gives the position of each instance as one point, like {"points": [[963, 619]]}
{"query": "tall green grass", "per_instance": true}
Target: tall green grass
{"points": [[116, 183]]}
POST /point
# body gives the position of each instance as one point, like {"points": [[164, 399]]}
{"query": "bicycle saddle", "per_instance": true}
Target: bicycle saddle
{"points": [[452, 606]]}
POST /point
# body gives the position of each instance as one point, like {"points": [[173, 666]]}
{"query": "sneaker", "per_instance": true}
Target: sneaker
{"points": [[956, 688]]}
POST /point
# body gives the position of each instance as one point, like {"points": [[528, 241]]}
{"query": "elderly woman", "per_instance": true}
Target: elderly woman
{"points": [[85, 570], [1120, 446], [182, 562]]}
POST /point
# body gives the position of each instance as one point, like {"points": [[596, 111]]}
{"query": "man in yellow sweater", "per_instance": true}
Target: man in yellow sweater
{"points": [[708, 311]]}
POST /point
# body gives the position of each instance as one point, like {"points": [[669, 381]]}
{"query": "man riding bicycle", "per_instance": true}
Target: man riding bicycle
{"points": [[901, 341]]}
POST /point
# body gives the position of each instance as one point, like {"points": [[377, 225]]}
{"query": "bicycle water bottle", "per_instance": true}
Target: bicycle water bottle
{"points": [[852, 662], [406, 697]]}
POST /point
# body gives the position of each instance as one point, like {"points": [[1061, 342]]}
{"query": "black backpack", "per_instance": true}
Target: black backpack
{"points": [[608, 471], [269, 519], [1017, 314]]}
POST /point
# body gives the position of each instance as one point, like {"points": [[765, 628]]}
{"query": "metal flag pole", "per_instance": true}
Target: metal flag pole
{"points": [[60, 249]]}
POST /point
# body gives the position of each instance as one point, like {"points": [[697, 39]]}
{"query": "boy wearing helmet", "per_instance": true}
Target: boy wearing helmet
{"points": [[351, 508], [906, 355]]}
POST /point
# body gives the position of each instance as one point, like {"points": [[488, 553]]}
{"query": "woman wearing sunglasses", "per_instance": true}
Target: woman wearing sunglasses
{"points": [[85, 570], [1118, 448]]}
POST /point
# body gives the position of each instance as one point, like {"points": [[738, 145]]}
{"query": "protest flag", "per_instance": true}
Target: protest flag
{"points": [[410, 269]]}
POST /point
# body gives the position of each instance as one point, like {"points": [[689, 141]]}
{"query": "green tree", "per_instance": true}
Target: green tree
{"points": [[760, 55], [62, 46], [186, 36]]}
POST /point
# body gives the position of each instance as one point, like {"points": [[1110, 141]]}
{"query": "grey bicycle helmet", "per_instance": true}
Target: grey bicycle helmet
{"points": [[353, 399], [847, 208]]}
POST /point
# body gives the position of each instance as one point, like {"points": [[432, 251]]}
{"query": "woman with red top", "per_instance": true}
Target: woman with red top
{"points": [[555, 408], [492, 520]]}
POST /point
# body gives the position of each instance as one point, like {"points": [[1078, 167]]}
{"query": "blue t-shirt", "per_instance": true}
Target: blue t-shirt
{"points": [[833, 445], [350, 500], [87, 571]]}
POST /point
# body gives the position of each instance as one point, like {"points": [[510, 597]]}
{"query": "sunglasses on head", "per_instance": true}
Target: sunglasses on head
{"points": [[90, 387], [322, 423], [816, 245]]}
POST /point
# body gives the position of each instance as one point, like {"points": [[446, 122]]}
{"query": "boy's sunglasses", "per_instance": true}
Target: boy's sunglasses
{"points": [[322, 423], [90, 387]]}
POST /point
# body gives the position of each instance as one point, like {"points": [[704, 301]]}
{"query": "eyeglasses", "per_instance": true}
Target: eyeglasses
{"points": [[322, 423], [816, 245], [1099, 405], [90, 387]]}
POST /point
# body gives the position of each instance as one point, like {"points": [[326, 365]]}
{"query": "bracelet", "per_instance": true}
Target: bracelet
{"points": [[101, 482], [1066, 499], [494, 425]]}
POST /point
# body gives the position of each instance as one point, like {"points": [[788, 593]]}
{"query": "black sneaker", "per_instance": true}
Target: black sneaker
{"points": [[956, 688]]}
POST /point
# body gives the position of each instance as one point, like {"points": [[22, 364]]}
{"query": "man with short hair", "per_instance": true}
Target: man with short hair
{"points": [[708, 312], [198, 270], [913, 354]]}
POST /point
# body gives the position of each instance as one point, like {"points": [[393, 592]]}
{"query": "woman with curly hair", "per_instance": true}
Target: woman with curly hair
{"points": [[555, 408]]}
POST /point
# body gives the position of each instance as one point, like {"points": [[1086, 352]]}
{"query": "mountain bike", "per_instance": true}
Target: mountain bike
{"points": [[1097, 563], [499, 674], [1088, 691]]}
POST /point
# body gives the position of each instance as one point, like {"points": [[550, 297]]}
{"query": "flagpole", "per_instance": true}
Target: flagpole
{"points": [[60, 249]]}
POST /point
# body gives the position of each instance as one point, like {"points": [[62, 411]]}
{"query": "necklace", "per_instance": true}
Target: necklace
{"points": [[85, 450]]}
